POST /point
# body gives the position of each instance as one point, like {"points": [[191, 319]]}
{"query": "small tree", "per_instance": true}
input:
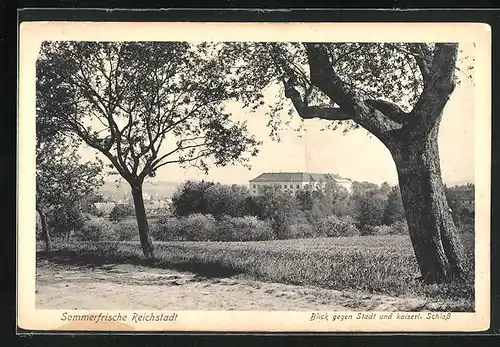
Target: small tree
{"points": [[144, 105], [190, 198], [371, 209], [394, 210], [61, 182]]}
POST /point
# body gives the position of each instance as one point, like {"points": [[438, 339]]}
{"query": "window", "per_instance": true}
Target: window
{"points": [[297, 186], [285, 185]]}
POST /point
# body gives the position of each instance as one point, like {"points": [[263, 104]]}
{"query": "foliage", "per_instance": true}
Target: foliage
{"points": [[394, 210], [168, 229], [280, 208], [198, 227], [126, 230], [121, 211], [328, 211], [243, 229], [224, 199], [461, 202], [400, 227], [63, 183], [370, 209], [125, 98], [190, 198], [95, 229], [143, 105], [334, 226], [210, 198], [64, 219]]}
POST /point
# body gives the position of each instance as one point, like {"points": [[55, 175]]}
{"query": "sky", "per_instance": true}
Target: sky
{"points": [[355, 154]]}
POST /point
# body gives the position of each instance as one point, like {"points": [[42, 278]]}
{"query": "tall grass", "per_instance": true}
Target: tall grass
{"points": [[373, 264]]}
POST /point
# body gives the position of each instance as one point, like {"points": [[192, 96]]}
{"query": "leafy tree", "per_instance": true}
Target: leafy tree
{"points": [[394, 211], [371, 209], [226, 200], [385, 189], [281, 208], [121, 211], [209, 198], [461, 201], [397, 92], [304, 199], [189, 198], [338, 198], [144, 105], [61, 182]]}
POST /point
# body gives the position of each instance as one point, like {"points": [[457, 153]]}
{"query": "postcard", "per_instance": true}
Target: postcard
{"points": [[254, 177]]}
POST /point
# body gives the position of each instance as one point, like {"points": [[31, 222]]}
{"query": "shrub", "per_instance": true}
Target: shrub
{"points": [[121, 211], [64, 219], [95, 229], [400, 227], [396, 228], [126, 230], [368, 230], [243, 229], [198, 227], [300, 229], [371, 209], [333, 226], [190, 198], [394, 211], [383, 230], [167, 229]]}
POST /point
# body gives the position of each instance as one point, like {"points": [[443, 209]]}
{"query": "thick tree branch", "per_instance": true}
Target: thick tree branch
{"points": [[323, 76], [309, 112], [429, 107], [422, 57]]}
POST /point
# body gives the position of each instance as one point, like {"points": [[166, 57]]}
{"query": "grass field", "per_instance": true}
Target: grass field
{"points": [[372, 264]]}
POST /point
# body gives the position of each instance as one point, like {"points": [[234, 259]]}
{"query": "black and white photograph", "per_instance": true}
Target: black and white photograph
{"points": [[281, 177]]}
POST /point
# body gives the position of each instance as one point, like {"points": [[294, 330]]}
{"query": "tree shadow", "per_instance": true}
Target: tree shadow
{"points": [[215, 269]]}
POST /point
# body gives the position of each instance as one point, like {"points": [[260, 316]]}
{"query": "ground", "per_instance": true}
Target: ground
{"points": [[126, 286]]}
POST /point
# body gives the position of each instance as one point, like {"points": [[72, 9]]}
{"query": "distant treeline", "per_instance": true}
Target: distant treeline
{"points": [[205, 211]]}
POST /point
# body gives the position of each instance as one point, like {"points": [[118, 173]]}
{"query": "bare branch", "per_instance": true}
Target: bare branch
{"points": [[186, 160]]}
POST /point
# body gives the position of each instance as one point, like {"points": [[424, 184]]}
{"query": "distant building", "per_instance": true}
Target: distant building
{"points": [[293, 181]]}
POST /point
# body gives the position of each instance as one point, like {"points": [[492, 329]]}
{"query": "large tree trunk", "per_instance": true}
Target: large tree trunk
{"points": [[45, 230], [142, 221], [433, 234]]}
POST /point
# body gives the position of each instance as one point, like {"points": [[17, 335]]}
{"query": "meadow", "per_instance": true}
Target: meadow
{"points": [[383, 264]]}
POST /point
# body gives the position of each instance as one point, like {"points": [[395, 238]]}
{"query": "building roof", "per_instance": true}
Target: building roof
{"points": [[296, 177]]}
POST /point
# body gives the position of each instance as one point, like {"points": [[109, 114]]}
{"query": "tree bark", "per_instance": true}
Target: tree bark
{"points": [[433, 234], [142, 221], [45, 230]]}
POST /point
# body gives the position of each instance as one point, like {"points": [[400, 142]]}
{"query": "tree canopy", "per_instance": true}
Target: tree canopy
{"points": [[126, 98]]}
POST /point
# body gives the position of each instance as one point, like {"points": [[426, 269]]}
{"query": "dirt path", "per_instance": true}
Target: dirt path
{"points": [[136, 287]]}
